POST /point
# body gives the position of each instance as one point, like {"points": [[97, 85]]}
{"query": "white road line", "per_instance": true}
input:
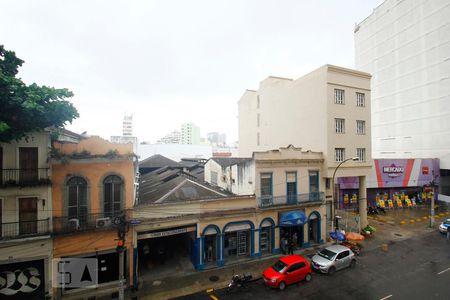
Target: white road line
{"points": [[443, 271], [387, 297]]}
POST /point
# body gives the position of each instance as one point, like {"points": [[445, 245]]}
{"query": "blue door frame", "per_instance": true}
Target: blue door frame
{"points": [[319, 229], [201, 248], [272, 236]]}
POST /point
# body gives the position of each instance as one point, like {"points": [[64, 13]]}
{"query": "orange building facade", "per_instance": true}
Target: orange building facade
{"points": [[93, 184]]}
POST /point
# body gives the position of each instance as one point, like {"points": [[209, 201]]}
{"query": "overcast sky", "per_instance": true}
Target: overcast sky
{"points": [[169, 62]]}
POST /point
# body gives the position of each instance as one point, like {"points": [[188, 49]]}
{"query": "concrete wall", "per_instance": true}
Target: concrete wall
{"points": [[405, 45], [302, 113]]}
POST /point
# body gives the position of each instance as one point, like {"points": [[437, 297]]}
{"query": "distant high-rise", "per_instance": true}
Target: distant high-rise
{"points": [[127, 133], [172, 138], [190, 134], [127, 125], [218, 139]]}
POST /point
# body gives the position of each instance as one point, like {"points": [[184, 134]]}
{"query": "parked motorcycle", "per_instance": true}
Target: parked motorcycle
{"points": [[239, 281], [372, 211]]}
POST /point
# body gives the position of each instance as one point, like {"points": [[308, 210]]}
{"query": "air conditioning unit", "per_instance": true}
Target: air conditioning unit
{"points": [[102, 222], [74, 224]]}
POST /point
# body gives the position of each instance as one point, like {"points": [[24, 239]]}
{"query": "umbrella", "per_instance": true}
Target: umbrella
{"points": [[336, 235], [353, 236]]}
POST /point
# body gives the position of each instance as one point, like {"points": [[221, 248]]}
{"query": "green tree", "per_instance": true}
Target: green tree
{"points": [[27, 108]]}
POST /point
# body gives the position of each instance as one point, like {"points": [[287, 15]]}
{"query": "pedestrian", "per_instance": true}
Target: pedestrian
{"points": [[283, 245], [448, 233], [291, 247]]}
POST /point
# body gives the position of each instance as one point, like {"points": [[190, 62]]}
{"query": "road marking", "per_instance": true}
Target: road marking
{"points": [[443, 271], [387, 297]]}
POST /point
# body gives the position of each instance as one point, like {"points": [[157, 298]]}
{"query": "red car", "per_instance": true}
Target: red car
{"points": [[287, 270]]}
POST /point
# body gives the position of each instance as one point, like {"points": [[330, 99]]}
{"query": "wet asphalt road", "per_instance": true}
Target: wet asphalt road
{"points": [[415, 268]]}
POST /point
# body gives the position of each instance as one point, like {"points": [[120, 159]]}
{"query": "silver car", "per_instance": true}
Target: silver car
{"points": [[333, 258]]}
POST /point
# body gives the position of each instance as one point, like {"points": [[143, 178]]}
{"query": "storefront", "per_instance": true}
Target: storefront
{"points": [[291, 229], [238, 240], [348, 192], [162, 250], [394, 181], [402, 181]]}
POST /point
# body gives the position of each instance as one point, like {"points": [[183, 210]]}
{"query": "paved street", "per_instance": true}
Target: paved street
{"points": [[414, 268]]}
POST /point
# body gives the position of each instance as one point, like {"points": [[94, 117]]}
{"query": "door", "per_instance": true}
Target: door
{"points": [[27, 215], [28, 164], [242, 243]]}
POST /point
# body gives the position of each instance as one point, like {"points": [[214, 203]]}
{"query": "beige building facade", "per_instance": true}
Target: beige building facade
{"points": [[25, 217], [327, 110]]}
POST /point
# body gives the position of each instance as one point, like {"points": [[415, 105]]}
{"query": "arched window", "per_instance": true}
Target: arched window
{"points": [[77, 204], [112, 195]]}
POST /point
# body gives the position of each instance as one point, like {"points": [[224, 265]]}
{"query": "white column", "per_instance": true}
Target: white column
{"points": [[363, 201]]}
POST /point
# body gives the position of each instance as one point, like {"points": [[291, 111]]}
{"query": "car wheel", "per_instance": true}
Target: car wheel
{"points": [[282, 286], [353, 264], [331, 271], [308, 277]]}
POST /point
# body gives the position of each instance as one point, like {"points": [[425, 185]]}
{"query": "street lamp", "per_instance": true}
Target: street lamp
{"points": [[356, 158]]}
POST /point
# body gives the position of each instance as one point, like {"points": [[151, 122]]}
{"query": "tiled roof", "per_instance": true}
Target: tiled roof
{"points": [[158, 161]]}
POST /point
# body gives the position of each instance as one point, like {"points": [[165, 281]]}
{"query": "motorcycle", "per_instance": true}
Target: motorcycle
{"points": [[372, 211], [239, 281]]}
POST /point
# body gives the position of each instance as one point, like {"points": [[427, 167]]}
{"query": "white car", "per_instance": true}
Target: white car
{"points": [[444, 225]]}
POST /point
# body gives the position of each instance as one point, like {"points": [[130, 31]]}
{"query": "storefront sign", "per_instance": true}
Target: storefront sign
{"points": [[393, 170], [165, 233], [24, 280]]}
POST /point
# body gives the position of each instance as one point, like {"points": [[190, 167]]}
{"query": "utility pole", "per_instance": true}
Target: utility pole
{"points": [[121, 233], [432, 201]]}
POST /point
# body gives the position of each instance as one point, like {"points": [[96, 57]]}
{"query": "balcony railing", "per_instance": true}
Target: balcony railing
{"points": [[24, 177], [269, 201], [23, 229], [98, 221]]}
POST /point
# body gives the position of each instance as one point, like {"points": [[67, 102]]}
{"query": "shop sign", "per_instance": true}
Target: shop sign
{"points": [[393, 170], [24, 280], [165, 233]]}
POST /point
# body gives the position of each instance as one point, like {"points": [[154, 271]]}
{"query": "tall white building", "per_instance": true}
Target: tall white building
{"points": [[190, 134], [405, 45]]}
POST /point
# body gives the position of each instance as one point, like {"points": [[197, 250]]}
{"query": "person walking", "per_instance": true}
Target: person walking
{"points": [[291, 247], [448, 233]]}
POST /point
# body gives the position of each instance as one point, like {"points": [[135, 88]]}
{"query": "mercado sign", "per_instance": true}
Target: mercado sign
{"points": [[393, 170]]}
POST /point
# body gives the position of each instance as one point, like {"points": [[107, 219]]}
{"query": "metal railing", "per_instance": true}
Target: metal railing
{"points": [[86, 222], [22, 229], [24, 177], [269, 201]]}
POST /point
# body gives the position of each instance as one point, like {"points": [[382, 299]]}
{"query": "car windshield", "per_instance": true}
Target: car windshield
{"points": [[447, 223], [327, 254], [279, 266]]}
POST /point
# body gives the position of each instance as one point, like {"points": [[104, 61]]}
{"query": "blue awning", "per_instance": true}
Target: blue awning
{"points": [[292, 218]]}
